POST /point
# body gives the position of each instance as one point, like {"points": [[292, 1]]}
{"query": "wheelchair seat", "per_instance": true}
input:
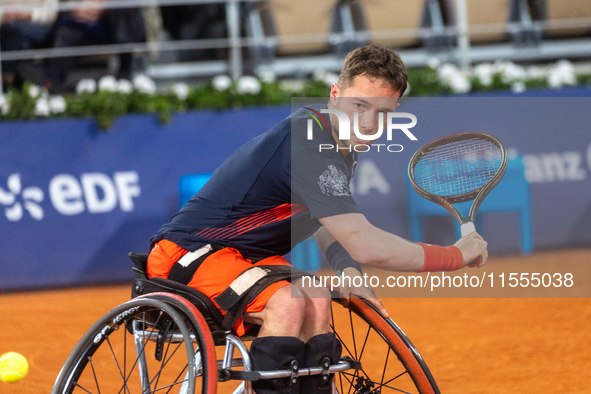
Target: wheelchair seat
{"points": [[142, 285]]}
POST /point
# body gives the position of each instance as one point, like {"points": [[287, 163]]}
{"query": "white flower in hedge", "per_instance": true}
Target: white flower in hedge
{"points": [[484, 72], [518, 87], [108, 83], [86, 86], [181, 90], [446, 72], [563, 73], [4, 105], [460, 84], [57, 104], [268, 76], [325, 76], [566, 70], [42, 107], [535, 72], [34, 91], [221, 82], [124, 86], [451, 76], [144, 84], [331, 78], [247, 84], [511, 72], [447, 69], [433, 63], [554, 80], [291, 85]]}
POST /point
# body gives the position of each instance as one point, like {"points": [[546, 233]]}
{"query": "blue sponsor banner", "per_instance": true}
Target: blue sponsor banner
{"points": [[74, 200]]}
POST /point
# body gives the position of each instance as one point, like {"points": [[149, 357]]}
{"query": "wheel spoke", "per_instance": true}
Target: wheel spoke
{"points": [[398, 369], [165, 361], [163, 365], [178, 376], [115, 358], [385, 366], [353, 333], [168, 386], [145, 342], [94, 374], [396, 377], [77, 385], [365, 342], [125, 351], [99, 363]]}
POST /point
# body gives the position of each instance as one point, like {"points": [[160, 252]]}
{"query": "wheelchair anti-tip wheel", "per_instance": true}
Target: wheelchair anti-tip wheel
{"points": [[146, 345]]}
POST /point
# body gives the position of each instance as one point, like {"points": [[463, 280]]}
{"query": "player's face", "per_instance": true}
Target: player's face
{"points": [[366, 97]]}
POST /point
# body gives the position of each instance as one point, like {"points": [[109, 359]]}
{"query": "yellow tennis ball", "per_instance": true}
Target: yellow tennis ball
{"points": [[13, 367]]}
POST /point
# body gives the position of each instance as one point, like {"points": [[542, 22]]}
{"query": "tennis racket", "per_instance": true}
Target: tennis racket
{"points": [[458, 168]]}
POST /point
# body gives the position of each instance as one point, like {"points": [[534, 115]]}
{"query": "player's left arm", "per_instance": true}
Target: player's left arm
{"points": [[324, 240]]}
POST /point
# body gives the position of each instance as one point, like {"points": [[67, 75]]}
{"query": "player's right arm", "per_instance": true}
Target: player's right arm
{"points": [[370, 245]]}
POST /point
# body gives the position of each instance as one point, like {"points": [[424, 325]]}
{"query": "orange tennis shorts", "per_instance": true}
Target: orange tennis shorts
{"points": [[215, 274]]}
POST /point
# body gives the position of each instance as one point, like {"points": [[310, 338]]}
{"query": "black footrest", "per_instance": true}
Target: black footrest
{"points": [[225, 375]]}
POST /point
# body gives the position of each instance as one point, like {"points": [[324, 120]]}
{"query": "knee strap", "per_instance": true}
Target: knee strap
{"points": [[316, 350], [248, 285], [273, 353]]}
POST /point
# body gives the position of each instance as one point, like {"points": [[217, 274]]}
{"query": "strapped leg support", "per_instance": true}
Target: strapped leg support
{"points": [[273, 353], [321, 350]]}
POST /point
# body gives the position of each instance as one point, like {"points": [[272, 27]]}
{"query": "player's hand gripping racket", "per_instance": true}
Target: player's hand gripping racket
{"points": [[457, 168]]}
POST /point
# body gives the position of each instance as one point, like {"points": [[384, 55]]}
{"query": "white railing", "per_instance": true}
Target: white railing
{"points": [[463, 53]]}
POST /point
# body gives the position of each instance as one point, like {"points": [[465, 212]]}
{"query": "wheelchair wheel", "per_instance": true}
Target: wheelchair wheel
{"points": [[147, 345], [389, 361]]}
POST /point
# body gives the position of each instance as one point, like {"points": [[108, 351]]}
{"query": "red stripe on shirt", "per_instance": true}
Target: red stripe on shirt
{"points": [[248, 223]]}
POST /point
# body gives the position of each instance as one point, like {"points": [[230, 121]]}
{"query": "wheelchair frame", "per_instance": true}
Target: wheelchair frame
{"points": [[173, 316]]}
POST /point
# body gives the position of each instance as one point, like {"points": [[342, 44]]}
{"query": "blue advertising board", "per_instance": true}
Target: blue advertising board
{"points": [[74, 200]]}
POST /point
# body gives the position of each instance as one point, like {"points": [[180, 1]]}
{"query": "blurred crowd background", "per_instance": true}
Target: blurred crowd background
{"points": [[56, 43]]}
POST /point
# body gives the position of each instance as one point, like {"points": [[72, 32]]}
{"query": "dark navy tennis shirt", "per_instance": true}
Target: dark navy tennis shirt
{"points": [[269, 194]]}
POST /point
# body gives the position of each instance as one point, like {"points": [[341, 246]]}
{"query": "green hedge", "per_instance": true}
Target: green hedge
{"points": [[111, 98]]}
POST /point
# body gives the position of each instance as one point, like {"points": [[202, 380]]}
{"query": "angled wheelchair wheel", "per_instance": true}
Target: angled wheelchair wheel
{"points": [[389, 361], [147, 345]]}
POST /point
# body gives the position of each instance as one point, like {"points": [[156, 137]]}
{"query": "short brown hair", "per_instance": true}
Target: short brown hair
{"points": [[374, 61]]}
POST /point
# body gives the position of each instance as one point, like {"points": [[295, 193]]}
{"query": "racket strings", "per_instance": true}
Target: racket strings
{"points": [[458, 168]]}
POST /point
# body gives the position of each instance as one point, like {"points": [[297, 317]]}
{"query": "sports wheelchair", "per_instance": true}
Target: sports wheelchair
{"points": [[168, 339]]}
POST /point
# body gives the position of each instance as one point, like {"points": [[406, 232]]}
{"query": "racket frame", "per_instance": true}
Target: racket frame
{"points": [[478, 195]]}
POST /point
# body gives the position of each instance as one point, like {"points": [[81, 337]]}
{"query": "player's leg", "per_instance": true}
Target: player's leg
{"points": [[316, 310], [290, 313], [285, 313], [281, 314], [322, 346], [278, 346]]}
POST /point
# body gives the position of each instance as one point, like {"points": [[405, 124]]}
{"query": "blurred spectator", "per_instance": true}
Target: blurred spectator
{"points": [[95, 26], [88, 26], [197, 21], [24, 30]]}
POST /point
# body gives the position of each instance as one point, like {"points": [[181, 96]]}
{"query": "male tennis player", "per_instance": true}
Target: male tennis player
{"points": [[227, 242]]}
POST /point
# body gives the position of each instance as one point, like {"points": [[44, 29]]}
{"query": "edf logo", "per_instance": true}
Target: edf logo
{"points": [[94, 192]]}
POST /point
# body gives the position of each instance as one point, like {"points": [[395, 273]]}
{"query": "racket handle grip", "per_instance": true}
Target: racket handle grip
{"points": [[467, 228], [476, 262]]}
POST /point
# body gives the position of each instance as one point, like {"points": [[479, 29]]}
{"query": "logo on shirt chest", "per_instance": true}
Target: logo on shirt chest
{"points": [[333, 182]]}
